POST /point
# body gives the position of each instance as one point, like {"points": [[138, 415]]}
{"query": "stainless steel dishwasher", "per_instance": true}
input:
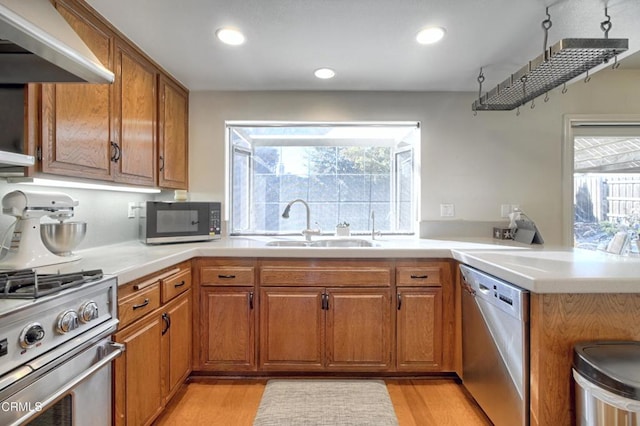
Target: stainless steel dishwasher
{"points": [[495, 346]]}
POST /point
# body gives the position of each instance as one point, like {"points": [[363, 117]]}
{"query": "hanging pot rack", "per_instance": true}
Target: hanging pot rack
{"points": [[558, 64]]}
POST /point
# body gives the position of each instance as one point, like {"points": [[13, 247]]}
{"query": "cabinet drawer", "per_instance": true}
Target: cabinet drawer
{"points": [[138, 304], [418, 276], [228, 275], [175, 285], [334, 277]]}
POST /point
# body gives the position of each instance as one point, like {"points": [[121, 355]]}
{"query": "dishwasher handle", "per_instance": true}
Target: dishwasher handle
{"points": [[483, 288]]}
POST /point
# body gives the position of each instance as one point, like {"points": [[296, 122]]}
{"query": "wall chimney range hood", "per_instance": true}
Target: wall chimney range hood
{"points": [[37, 45]]}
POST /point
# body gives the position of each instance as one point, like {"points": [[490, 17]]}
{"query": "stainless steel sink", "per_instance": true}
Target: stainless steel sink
{"points": [[351, 242], [287, 243]]}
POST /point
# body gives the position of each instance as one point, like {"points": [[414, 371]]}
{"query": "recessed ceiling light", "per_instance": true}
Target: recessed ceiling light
{"points": [[430, 35], [324, 73], [230, 36]]}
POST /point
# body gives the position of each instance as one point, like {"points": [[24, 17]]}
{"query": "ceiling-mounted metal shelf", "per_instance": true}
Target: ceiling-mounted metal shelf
{"points": [[560, 63]]}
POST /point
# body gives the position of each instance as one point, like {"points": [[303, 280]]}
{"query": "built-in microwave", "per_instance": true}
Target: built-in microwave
{"points": [[174, 222]]}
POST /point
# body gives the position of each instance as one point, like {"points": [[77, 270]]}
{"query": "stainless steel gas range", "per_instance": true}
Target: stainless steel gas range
{"points": [[55, 347]]}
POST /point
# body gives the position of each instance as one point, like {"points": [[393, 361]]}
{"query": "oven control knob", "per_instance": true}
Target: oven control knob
{"points": [[88, 311], [67, 321], [31, 334]]}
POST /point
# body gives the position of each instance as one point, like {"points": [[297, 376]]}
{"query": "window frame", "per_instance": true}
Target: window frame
{"points": [[572, 121], [413, 147]]}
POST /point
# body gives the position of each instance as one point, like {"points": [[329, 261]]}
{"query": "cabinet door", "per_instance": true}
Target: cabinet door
{"points": [[138, 395], [358, 329], [76, 117], [419, 328], [176, 342], [173, 123], [228, 318], [291, 328], [134, 118]]}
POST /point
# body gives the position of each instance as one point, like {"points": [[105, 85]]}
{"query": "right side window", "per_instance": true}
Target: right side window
{"points": [[606, 187]]}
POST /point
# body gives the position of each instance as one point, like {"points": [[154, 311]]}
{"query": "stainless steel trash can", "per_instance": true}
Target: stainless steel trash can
{"points": [[607, 383]]}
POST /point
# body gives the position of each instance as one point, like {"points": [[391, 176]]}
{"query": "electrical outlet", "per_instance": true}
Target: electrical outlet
{"points": [[131, 210], [447, 210], [505, 209]]}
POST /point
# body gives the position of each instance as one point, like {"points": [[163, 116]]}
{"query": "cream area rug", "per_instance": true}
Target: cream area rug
{"points": [[323, 402]]}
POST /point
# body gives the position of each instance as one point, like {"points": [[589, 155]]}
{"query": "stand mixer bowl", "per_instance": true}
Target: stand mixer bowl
{"points": [[61, 238]]}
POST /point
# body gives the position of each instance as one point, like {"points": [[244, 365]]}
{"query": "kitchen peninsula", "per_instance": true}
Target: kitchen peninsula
{"points": [[575, 295]]}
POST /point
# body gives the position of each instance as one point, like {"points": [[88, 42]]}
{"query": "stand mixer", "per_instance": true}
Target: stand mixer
{"points": [[27, 249]]}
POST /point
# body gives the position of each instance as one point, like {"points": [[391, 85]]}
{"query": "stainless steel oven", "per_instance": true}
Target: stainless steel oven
{"points": [[56, 351]]}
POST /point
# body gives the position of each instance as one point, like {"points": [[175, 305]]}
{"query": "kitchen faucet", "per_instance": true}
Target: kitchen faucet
{"points": [[306, 232], [374, 233]]}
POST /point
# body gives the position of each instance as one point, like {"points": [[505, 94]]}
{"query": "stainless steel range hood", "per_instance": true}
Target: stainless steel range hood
{"points": [[38, 45]]}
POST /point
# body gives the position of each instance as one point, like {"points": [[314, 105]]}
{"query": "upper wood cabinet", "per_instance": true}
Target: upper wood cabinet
{"points": [[76, 117], [134, 131], [135, 118], [173, 123]]}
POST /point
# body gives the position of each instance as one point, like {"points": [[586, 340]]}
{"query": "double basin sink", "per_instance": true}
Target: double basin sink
{"points": [[346, 242]]}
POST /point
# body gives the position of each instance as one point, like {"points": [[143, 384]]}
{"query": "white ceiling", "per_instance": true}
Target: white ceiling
{"points": [[369, 43]]}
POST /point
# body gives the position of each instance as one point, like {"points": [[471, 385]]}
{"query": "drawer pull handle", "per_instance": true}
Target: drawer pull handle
{"points": [[180, 284], [419, 277], [141, 305], [226, 277]]}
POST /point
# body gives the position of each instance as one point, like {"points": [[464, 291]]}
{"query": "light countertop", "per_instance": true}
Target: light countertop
{"points": [[535, 268]]}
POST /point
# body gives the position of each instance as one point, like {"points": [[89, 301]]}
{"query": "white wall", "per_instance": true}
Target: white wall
{"points": [[476, 163], [104, 211]]}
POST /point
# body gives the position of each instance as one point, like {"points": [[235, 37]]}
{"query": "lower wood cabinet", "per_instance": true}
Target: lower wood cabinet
{"points": [[324, 316], [138, 383], [176, 343], [227, 312], [325, 329], [342, 327], [419, 328], [157, 339], [229, 328], [292, 328], [425, 316]]}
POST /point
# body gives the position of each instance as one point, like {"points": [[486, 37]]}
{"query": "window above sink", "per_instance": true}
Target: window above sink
{"points": [[344, 171]]}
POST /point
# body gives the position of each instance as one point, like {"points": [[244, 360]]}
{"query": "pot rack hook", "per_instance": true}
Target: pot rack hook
{"points": [[564, 88], [546, 97], [480, 81], [546, 25], [606, 25], [616, 64], [587, 78], [533, 103], [518, 112]]}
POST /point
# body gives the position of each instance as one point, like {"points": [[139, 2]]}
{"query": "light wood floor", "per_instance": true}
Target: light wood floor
{"points": [[440, 402]]}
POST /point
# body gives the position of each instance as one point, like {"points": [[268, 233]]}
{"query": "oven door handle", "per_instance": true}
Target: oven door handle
{"points": [[107, 353]]}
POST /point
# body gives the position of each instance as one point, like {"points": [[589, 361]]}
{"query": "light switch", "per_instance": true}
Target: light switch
{"points": [[447, 210]]}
